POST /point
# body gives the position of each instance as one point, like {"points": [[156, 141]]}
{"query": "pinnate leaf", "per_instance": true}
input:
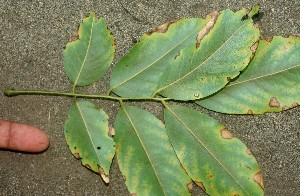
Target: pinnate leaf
{"points": [[87, 59], [216, 160], [222, 49], [271, 83], [145, 155], [138, 73], [86, 132]]}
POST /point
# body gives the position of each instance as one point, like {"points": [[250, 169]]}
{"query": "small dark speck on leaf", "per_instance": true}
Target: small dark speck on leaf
{"points": [[245, 17], [98, 147]]}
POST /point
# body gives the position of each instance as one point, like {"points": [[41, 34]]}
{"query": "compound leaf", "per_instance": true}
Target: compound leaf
{"points": [[222, 49], [137, 74], [87, 59], [145, 155], [271, 83], [86, 132], [215, 160]]}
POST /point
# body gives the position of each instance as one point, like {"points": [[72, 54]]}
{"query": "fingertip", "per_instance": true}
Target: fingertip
{"points": [[22, 137]]}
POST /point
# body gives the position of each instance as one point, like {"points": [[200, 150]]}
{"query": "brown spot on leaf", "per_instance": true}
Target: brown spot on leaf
{"points": [[211, 175], [196, 95], [190, 187], [177, 55], [249, 112], [290, 107], [133, 194], [104, 177], [88, 166], [225, 133], [274, 102], [228, 79], [111, 132], [74, 36], [162, 28], [201, 185], [76, 155], [253, 48], [259, 179], [209, 25], [269, 39], [248, 151]]}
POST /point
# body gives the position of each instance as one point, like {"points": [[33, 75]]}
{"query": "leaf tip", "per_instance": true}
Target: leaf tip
{"points": [[104, 177], [254, 11]]}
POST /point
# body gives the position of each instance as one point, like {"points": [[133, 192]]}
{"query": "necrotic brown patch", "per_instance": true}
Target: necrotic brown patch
{"points": [[258, 178], [76, 155], [190, 187], [274, 102], [226, 134], [249, 112], [162, 28], [290, 107], [209, 25], [201, 185], [104, 177], [248, 151]]}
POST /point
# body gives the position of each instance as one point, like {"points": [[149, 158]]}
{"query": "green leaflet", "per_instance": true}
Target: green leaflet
{"points": [[271, 82], [145, 155], [86, 132], [87, 59], [216, 161], [225, 49], [137, 74]]}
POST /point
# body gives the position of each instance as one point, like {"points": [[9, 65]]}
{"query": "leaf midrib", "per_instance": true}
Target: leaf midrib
{"points": [[150, 65], [193, 70], [88, 48], [198, 139], [87, 129], [263, 76], [136, 131]]}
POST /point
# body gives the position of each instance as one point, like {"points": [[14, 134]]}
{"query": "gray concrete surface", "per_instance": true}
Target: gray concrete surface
{"points": [[33, 34]]}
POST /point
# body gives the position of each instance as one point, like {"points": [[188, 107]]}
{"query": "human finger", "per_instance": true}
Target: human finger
{"points": [[22, 137]]}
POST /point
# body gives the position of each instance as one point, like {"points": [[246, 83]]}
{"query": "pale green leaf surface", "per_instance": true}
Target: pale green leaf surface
{"points": [[223, 52], [87, 59], [86, 132], [145, 155], [137, 74], [218, 162], [271, 83]]}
